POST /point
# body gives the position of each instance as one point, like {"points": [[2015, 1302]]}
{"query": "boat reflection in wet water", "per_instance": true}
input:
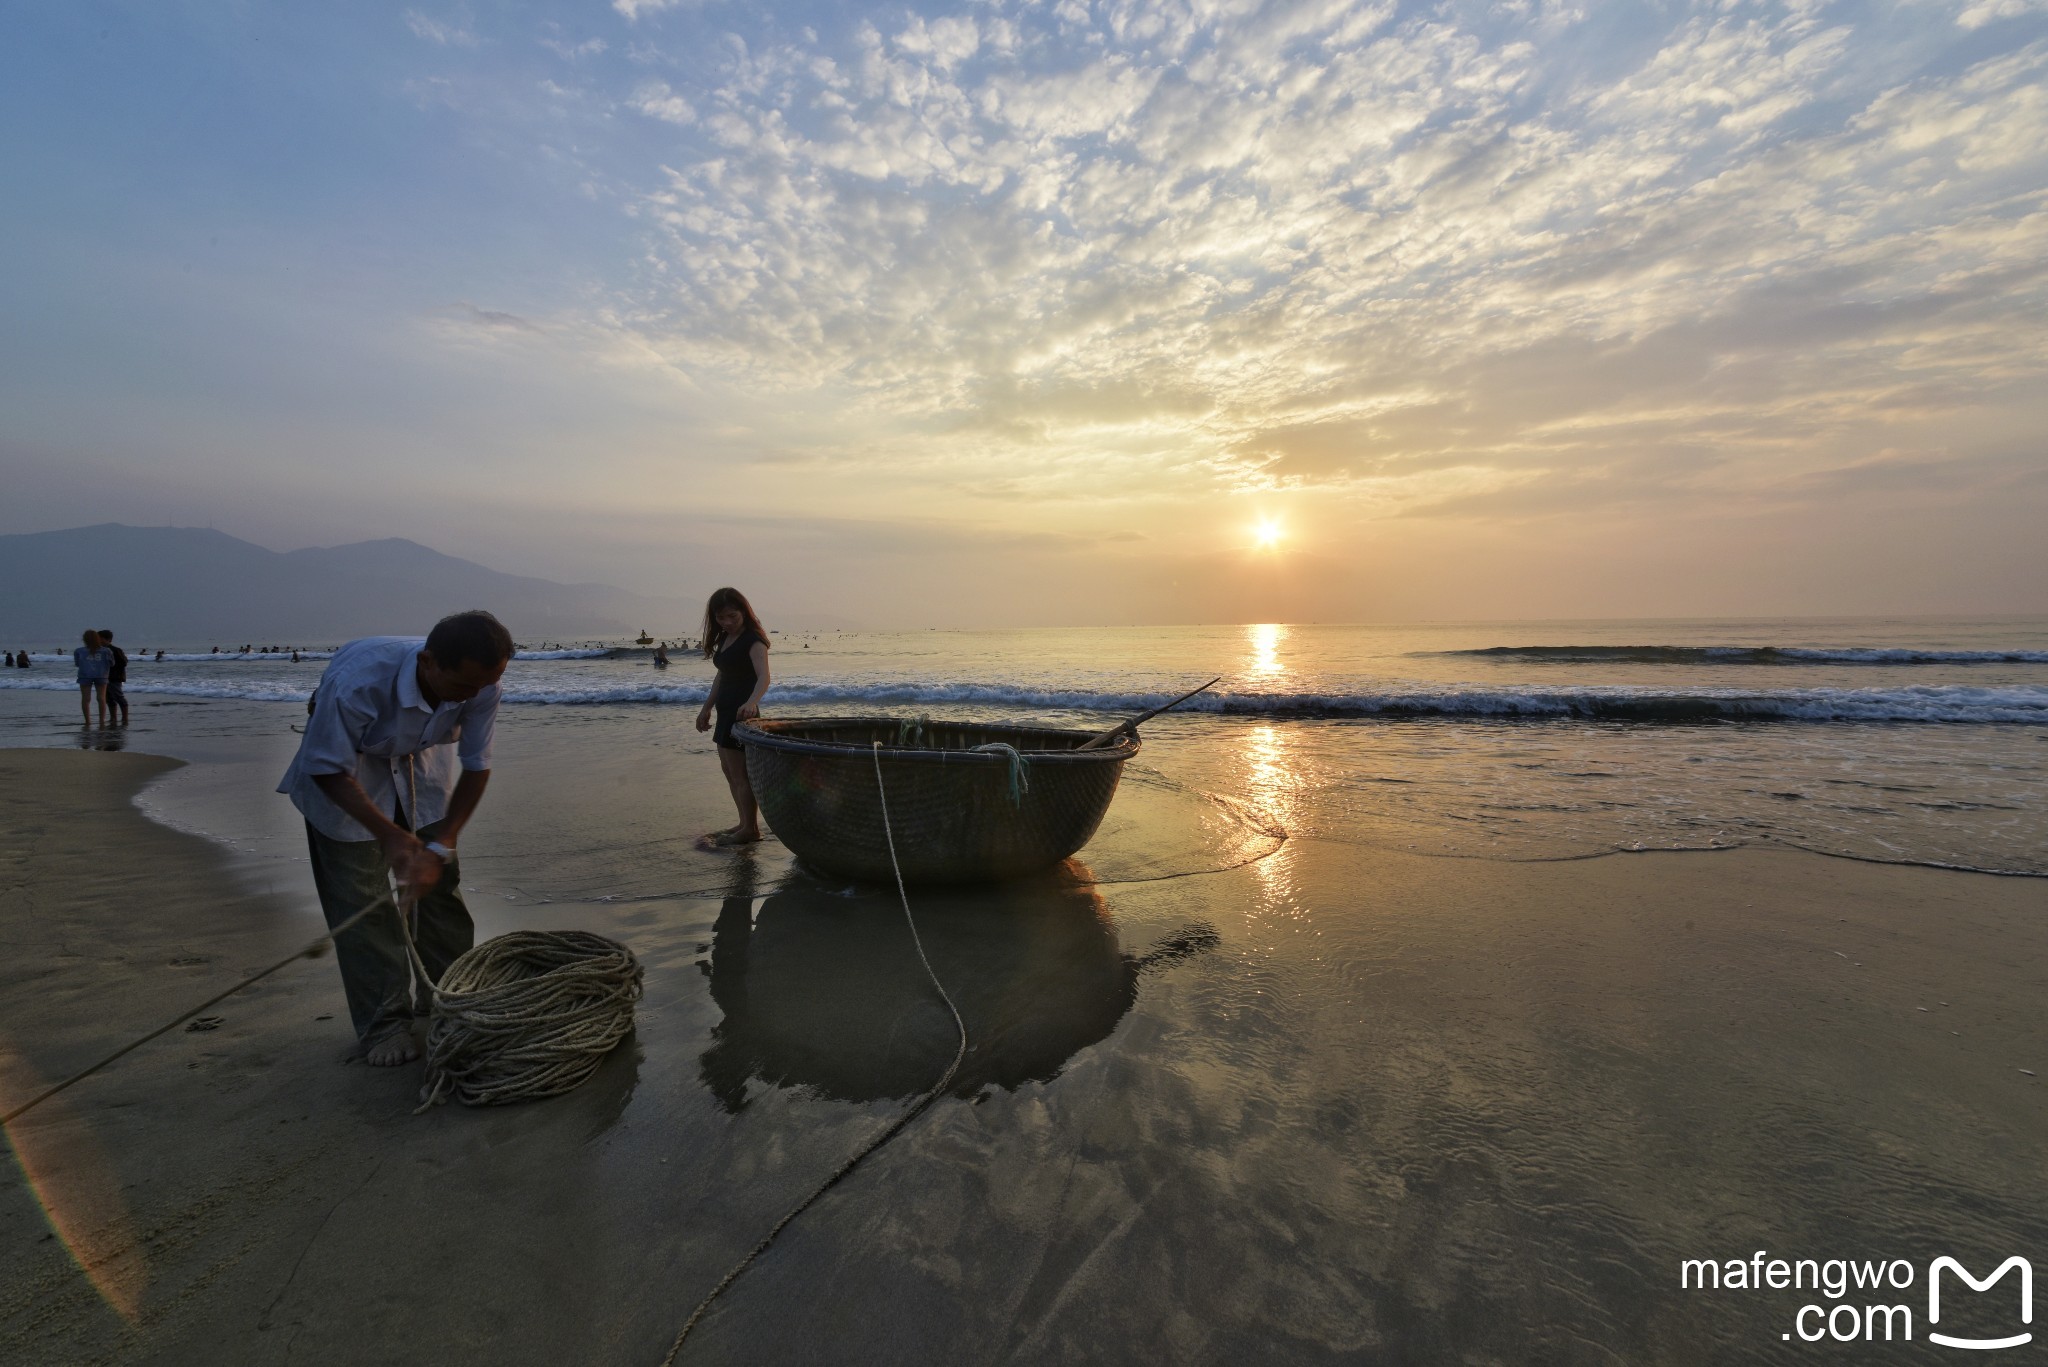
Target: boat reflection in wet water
{"points": [[822, 989]]}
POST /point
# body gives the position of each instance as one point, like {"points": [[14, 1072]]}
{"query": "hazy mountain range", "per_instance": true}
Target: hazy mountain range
{"points": [[191, 585]]}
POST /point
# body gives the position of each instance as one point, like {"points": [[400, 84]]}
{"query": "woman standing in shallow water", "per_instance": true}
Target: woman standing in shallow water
{"points": [[95, 662], [737, 643]]}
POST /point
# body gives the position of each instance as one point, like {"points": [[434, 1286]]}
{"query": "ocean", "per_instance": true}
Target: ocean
{"points": [[1378, 1022], [1921, 741]]}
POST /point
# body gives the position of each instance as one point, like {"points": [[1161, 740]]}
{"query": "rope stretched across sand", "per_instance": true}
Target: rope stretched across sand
{"points": [[895, 1127]]}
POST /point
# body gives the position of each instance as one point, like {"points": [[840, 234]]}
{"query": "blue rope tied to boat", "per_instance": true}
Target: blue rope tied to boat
{"points": [[910, 731], [1020, 781]]}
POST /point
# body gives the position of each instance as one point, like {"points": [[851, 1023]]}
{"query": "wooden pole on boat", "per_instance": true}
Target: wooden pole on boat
{"points": [[1124, 728]]}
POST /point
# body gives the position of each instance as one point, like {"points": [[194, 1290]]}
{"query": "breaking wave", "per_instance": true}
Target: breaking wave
{"points": [[285, 656], [1755, 655], [2024, 705], [196, 657], [1944, 703], [247, 692]]}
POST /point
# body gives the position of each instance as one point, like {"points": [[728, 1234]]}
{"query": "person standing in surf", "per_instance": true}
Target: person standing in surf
{"points": [[737, 644], [94, 663], [117, 680]]}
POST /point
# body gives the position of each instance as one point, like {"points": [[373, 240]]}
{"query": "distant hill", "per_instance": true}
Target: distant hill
{"points": [[189, 585]]}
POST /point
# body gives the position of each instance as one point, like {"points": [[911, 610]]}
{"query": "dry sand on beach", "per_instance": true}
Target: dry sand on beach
{"points": [[1552, 1081]]}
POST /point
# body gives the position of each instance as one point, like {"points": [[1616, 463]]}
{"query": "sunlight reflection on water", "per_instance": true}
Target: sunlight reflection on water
{"points": [[1264, 640]]}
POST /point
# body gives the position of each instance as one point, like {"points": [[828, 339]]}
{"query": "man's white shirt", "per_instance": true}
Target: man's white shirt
{"points": [[370, 720]]}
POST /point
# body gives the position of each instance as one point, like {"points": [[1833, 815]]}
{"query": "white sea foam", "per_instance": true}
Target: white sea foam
{"points": [[603, 693], [2021, 704], [195, 657], [1932, 703], [285, 657], [253, 691]]}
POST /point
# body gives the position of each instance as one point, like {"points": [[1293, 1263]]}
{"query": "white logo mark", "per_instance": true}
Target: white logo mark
{"points": [[2026, 1300]]}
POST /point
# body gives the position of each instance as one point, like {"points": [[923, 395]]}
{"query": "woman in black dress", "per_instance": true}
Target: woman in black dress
{"points": [[737, 643]]}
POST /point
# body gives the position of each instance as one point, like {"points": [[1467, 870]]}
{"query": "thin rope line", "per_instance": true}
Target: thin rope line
{"points": [[308, 952], [886, 1135]]}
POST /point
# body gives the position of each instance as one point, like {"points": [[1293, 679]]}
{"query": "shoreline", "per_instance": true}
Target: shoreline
{"points": [[1488, 1103], [260, 724]]}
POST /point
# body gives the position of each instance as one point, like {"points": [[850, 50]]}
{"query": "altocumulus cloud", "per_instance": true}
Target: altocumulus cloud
{"points": [[1432, 256]]}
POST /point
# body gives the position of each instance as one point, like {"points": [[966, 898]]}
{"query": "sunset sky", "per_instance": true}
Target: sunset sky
{"points": [[1047, 312]]}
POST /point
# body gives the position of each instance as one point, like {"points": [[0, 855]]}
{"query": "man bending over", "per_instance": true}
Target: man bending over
{"points": [[395, 757]]}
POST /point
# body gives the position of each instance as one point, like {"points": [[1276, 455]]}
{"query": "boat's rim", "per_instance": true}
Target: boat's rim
{"points": [[757, 733]]}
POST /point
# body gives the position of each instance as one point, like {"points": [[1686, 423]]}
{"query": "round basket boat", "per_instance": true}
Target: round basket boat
{"points": [[959, 815]]}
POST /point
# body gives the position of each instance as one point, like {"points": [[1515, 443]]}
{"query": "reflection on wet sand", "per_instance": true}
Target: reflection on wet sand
{"points": [[602, 1101], [1272, 777], [823, 990], [102, 738]]}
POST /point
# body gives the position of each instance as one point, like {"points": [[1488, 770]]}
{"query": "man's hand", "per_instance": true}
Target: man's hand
{"points": [[416, 867]]}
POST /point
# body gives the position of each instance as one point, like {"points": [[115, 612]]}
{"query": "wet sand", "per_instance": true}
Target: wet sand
{"points": [[1343, 1104]]}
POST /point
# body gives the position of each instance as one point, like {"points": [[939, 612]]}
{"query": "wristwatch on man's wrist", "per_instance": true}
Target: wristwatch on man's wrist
{"points": [[447, 852]]}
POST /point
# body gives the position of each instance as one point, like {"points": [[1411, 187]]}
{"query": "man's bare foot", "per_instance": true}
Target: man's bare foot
{"points": [[394, 1049]]}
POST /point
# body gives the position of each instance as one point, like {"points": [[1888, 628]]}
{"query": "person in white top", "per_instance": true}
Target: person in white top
{"points": [[395, 758]]}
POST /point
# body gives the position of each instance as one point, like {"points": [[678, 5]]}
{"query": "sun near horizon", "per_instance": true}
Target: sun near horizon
{"points": [[1012, 313]]}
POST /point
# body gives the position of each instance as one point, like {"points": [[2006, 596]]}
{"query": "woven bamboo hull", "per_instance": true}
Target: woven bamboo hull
{"points": [[950, 807]]}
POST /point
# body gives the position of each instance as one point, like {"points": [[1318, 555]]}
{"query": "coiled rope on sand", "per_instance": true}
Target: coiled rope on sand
{"points": [[526, 1015]]}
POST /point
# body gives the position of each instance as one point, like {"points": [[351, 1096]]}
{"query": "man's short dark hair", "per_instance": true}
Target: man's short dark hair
{"points": [[466, 636], [106, 635]]}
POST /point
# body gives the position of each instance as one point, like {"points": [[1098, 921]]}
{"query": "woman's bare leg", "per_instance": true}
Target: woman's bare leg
{"points": [[734, 762]]}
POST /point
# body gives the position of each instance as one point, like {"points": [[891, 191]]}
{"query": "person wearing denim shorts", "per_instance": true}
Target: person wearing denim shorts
{"points": [[94, 662]]}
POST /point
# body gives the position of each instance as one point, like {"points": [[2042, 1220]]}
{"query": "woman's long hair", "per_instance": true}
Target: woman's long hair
{"points": [[721, 600]]}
